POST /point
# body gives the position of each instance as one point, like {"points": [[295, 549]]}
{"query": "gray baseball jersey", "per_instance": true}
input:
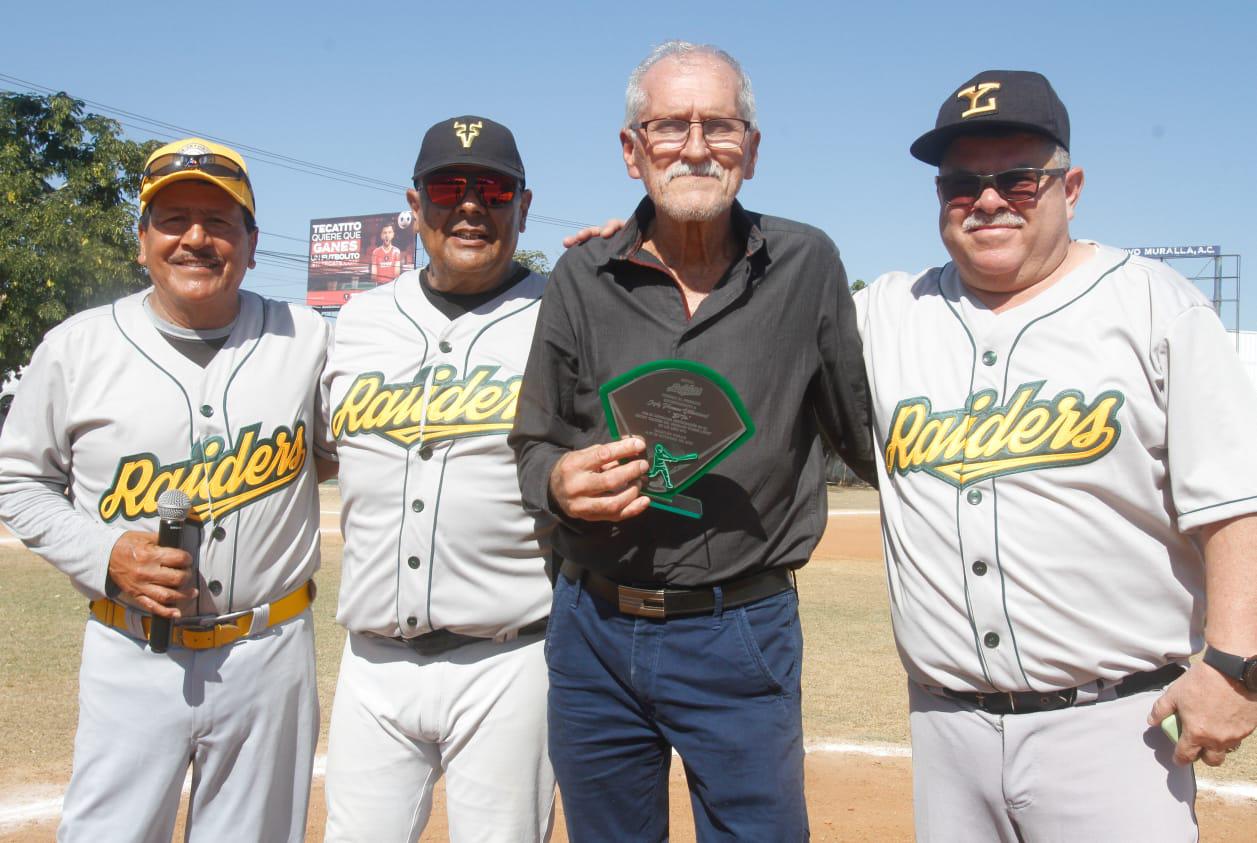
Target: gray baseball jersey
{"points": [[1043, 468], [111, 412], [436, 536]]}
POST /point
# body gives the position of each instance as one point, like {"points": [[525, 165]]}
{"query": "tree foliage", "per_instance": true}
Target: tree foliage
{"points": [[534, 259], [858, 285], [68, 181]]}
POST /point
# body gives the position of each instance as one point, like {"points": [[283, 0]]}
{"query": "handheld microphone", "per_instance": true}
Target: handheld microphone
{"points": [[172, 508]]}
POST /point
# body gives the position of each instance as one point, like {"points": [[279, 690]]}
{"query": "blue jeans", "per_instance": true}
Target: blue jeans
{"points": [[722, 688]]}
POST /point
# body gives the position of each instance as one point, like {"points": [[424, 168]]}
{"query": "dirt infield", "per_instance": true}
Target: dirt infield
{"points": [[853, 694], [849, 798]]}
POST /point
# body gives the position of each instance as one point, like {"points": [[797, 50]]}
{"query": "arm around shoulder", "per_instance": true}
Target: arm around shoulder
{"points": [[843, 408]]}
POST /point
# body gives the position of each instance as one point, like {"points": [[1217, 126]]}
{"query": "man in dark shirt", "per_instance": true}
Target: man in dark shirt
{"points": [[667, 631]]}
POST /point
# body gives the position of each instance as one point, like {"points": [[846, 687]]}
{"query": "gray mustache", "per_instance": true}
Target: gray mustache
{"points": [[977, 219], [708, 168]]}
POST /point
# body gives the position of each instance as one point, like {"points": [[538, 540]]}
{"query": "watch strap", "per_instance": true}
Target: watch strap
{"points": [[1228, 663]]}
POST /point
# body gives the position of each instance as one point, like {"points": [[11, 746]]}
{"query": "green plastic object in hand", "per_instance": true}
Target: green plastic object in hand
{"points": [[1172, 727]]}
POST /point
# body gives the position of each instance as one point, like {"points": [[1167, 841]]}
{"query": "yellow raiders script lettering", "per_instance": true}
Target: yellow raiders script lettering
{"points": [[984, 439], [218, 479], [435, 405]]}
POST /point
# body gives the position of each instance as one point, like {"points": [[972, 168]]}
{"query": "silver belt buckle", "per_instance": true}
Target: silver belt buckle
{"points": [[641, 602], [205, 623]]}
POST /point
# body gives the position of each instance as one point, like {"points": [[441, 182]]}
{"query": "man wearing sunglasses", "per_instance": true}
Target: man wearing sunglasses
{"points": [[197, 386], [1068, 472], [443, 590], [670, 631]]}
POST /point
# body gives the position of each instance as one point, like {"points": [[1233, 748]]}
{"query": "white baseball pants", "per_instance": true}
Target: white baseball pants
{"points": [[400, 721], [1092, 772]]}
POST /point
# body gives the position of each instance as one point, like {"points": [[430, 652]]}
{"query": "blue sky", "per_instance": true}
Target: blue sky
{"points": [[1162, 97]]}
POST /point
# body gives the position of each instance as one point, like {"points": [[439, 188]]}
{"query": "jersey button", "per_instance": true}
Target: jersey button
{"points": [[974, 497], [989, 358], [445, 347], [991, 640], [207, 410], [220, 533], [215, 587], [413, 562], [425, 453], [979, 568], [412, 621], [417, 505]]}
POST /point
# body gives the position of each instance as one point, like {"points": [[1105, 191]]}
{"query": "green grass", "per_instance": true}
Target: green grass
{"points": [[853, 686]]}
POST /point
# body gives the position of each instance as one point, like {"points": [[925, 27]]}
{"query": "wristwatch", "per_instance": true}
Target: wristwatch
{"points": [[1242, 670]]}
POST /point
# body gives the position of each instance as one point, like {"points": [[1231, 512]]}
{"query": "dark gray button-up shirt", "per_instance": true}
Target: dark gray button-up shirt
{"points": [[779, 326]]}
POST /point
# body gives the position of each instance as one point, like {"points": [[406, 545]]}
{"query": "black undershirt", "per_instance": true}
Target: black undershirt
{"points": [[454, 305]]}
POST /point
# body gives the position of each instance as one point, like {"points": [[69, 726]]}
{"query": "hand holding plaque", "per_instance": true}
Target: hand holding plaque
{"points": [[690, 417]]}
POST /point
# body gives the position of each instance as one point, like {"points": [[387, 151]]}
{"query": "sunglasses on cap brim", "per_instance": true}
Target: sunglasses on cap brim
{"points": [[218, 166]]}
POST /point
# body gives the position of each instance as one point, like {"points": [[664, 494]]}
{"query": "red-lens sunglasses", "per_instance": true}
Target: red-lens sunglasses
{"points": [[445, 190]]}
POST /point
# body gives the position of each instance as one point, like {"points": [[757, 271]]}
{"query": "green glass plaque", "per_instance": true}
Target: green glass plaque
{"points": [[690, 417]]}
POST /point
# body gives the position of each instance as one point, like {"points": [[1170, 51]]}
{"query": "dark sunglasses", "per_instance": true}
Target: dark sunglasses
{"points": [[219, 166], [445, 190], [1017, 185]]}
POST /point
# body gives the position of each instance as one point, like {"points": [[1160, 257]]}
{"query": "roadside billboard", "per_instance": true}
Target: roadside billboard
{"points": [[351, 255]]}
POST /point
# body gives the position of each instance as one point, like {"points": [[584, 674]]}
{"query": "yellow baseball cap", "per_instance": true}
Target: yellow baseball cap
{"points": [[195, 158]]}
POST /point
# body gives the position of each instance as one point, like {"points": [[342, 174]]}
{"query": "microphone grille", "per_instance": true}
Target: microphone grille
{"points": [[173, 505]]}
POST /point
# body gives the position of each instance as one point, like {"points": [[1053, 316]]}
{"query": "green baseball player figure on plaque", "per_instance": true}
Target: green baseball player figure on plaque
{"points": [[691, 418]]}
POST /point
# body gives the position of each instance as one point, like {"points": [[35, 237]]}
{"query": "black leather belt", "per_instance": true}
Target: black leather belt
{"points": [[1026, 702], [440, 641], [679, 602]]}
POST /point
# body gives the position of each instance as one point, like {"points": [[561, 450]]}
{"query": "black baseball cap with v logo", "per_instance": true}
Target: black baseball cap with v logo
{"points": [[995, 100], [469, 141]]}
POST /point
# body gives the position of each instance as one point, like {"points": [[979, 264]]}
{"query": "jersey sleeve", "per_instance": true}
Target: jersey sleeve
{"points": [[324, 444], [35, 466], [1211, 405]]}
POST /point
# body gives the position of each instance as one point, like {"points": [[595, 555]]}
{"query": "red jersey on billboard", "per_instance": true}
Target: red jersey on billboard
{"points": [[349, 255]]}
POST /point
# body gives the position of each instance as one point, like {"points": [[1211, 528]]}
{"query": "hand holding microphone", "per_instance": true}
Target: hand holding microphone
{"points": [[153, 571], [172, 509]]}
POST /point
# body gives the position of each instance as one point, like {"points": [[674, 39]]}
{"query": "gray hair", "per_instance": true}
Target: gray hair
{"points": [[1060, 157], [635, 97]]}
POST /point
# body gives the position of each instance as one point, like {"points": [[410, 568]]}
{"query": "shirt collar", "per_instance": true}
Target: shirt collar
{"points": [[628, 240]]}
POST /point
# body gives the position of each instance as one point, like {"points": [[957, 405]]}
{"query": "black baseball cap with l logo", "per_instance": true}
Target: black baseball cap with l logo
{"points": [[469, 140], [991, 101]]}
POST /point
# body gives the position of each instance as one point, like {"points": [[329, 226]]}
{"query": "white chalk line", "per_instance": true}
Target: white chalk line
{"points": [[40, 810]]}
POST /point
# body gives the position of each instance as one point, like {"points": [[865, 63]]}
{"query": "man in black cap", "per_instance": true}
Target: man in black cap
{"points": [[443, 589], [1067, 472]]}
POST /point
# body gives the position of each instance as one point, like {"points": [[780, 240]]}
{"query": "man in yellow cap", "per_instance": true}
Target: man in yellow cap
{"points": [[195, 386]]}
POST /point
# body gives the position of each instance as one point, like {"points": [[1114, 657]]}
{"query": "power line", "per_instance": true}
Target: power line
{"points": [[275, 159]]}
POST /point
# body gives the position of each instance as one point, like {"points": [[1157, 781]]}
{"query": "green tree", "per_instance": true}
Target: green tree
{"points": [[68, 182], [534, 259], [857, 285]]}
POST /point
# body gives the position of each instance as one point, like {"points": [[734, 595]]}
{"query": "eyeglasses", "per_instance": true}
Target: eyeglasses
{"points": [[1016, 185], [445, 190], [718, 132], [219, 166]]}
